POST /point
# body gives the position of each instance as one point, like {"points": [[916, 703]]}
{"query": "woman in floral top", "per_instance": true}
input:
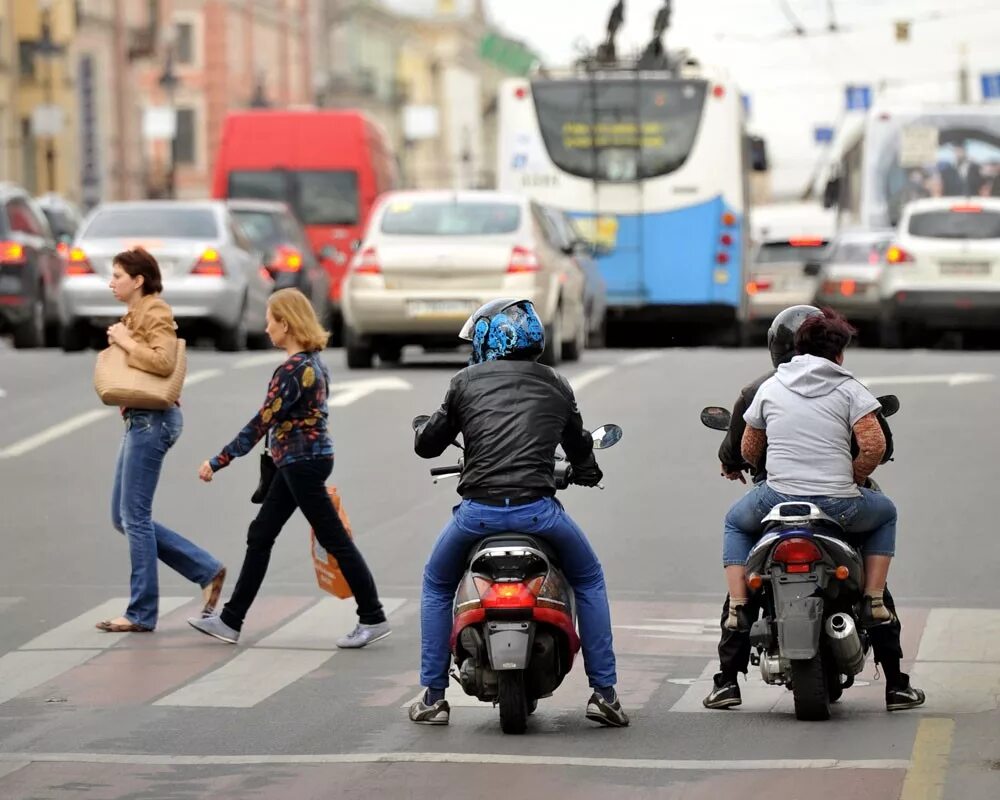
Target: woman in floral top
{"points": [[294, 419]]}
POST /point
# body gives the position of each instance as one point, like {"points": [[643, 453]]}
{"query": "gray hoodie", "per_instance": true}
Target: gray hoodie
{"points": [[808, 409]]}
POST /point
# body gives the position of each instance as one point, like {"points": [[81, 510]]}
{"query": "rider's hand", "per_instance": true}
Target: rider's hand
{"points": [[205, 472], [589, 475], [734, 475]]}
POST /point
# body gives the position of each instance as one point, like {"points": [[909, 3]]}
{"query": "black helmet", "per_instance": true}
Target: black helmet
{"points": [[506, 328], [781, 334]]}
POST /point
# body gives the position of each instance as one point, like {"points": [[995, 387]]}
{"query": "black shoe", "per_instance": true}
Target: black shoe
{"points": [[611, 714], [903, 696], [725, 693]]}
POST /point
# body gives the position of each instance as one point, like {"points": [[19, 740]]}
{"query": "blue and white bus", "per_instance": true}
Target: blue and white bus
{"points": [[654, 168]]}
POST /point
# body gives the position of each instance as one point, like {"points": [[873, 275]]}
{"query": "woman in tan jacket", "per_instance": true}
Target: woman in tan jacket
{"points": [[148, 334]]}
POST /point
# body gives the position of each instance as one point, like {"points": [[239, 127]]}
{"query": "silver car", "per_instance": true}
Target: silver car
{"points": [[212, 275], [849, 279]]}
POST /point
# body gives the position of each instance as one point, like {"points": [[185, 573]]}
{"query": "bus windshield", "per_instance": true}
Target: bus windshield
{"points": [[318, 197], [619, 130]]}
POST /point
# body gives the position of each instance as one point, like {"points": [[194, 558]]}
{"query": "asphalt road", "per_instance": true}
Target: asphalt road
{"points": [[178, 715]]}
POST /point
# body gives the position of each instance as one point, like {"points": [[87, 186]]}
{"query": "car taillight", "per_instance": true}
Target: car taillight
{"points": [[286, 259], [63, 249], [967, 209], [897, 255], [508, 595], [77, 263], [11, 253], [522, 259], [210, 264], [755, 287], [806, 241], [366, 262], [796, 554]]}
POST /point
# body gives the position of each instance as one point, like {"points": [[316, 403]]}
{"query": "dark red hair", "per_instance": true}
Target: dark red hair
{"points": [[825, 336]]}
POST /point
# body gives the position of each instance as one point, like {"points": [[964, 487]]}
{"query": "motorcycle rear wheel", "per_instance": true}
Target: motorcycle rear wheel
{"points": [[513, 701], [810, 690]]}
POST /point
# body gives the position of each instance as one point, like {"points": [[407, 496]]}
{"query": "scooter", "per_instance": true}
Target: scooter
{"points": [[514, 636]]}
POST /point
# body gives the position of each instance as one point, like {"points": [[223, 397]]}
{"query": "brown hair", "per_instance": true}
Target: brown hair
{"points": [[138, 262], [825, 336], [292, 307]]}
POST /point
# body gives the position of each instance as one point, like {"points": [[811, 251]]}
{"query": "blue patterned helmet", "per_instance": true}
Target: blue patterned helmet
{"points": [[507, 328]]}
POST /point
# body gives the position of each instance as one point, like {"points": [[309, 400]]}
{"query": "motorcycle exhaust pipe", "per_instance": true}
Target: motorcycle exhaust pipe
{"points": [[845, 644]]}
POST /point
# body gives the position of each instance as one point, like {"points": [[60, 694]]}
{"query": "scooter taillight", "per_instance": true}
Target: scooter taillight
{"points": [[796, 554], [511, 594]]}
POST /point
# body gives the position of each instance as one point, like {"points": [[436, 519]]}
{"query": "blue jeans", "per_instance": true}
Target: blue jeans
{"points": [[871, 513], [545, 518], [148, 437]]}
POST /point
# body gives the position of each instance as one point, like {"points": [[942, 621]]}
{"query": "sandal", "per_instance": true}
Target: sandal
{"points": [[110, 626], [212, 592]]}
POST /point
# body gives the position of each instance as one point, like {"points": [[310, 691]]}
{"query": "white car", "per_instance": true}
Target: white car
{"points": [[849, 280], [942, 271]]}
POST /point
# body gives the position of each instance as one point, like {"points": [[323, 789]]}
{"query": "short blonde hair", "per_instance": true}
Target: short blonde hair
{"points": [[292, 307]]}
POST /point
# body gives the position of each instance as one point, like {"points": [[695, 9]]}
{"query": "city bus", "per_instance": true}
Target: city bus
{"points": [[886, 157], [653, 166]]}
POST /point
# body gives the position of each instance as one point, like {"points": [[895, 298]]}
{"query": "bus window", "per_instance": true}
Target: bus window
{"points": [[619, 130]]}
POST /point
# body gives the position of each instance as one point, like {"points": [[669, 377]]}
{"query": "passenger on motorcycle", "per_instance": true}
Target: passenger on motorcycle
{"points": [[734, 644], [512, 413]]}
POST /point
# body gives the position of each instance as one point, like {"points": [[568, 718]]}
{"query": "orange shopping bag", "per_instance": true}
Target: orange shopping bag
{"points": [[328, 574]]}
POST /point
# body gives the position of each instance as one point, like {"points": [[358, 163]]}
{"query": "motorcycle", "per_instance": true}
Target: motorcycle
{"points": [[513, 637], [809, 575]]}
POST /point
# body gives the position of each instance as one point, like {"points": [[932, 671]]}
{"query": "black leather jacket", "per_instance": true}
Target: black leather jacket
{"points": [[512, 415]]}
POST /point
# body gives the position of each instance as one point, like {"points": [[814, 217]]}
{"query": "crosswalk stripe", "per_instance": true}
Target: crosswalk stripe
{"points": [[294, 650], [9, 602], [23, 670], [80, 632], [316, 628]]}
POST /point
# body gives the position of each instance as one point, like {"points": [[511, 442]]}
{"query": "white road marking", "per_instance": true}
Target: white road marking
{"points": [[202, 375], [757, 696], [2, 393], [13, 766], [268, 359], [954, 379], [692, 630], [461, 758], [80, 633], [578, 382], [54, 432], [317, 627], [343, 393], [642, 358]]}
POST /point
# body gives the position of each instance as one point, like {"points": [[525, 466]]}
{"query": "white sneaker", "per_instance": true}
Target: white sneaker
{"points": [[363, 635]]}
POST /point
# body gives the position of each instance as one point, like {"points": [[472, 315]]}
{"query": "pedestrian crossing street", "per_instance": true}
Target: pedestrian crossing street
{"points": [[666, 659]]}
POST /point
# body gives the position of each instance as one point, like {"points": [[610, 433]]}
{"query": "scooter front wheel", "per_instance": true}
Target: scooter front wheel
{"points": [[513, 701]]}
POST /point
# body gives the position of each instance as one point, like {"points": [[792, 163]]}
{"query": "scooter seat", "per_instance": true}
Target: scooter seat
{"points": [[515, 541]]}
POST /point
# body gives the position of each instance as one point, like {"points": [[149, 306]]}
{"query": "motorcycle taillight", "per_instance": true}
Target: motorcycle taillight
{"points": [[511, 594], [797, 554]]}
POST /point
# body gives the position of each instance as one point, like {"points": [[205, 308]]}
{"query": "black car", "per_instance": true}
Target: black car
{"points": [[272, 228], [31, 270]]}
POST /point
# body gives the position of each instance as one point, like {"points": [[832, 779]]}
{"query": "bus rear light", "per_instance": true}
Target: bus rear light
{"points": [[522, 260], [719, 91], [520, 93], [729, 219], [806, 241], [722, 258], [210, 264], [11, 253], [77, 263], [897, 255], [366, 262], [726, 240]]}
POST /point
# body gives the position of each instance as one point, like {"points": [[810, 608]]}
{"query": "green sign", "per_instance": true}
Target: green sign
{"points": [[512, 57]]}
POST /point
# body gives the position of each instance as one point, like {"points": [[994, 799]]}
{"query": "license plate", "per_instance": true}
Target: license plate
{"points": [[10, 284], [424, 309], [965, 267]]}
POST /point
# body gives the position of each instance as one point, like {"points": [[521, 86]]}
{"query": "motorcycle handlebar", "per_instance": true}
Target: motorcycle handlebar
{"points": [[438, 471]]}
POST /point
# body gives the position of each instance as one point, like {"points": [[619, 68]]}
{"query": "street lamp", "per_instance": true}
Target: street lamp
{"points": [[168, 82], [47, 49]]}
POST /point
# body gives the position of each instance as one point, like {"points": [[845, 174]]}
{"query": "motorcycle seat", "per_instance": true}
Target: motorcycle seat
{"points": [[515, 541]]}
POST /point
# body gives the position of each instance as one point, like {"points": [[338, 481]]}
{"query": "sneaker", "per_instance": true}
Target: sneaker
{"points": [[903, 696], [215, 627], [725, 693], [611, 715], [437, 714], [363, 635]]}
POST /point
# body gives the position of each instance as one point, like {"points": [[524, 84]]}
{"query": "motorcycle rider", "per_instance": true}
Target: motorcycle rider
{"points": [[512, 413], [734, 644]]}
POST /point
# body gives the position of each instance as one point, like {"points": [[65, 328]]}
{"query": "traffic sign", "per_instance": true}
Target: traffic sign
{"points": [[823, 134], [859, 98], [991, 85]]}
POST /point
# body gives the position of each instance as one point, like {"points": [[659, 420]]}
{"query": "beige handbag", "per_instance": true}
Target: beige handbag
{"points": [[118, 384]]}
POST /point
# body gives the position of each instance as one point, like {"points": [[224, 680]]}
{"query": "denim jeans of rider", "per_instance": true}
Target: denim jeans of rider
{"points": [[148, 437], [871, 515], [301, 485], [546, 519]]}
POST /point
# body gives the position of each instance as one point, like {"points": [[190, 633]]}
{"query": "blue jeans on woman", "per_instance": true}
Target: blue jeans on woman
{"points": [[545, 518], [870, 513], [148, 437]]}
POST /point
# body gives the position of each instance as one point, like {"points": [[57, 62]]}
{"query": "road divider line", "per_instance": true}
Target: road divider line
{"points": [[929, 763], [460, 758], [953, 379], [194, 378], [642, 358], [584, 379], [57, 431]]}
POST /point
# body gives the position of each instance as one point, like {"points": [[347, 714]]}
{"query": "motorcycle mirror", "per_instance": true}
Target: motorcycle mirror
{"points": [[606, 436], [716, 418], [420, 420], [889, 403]]}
